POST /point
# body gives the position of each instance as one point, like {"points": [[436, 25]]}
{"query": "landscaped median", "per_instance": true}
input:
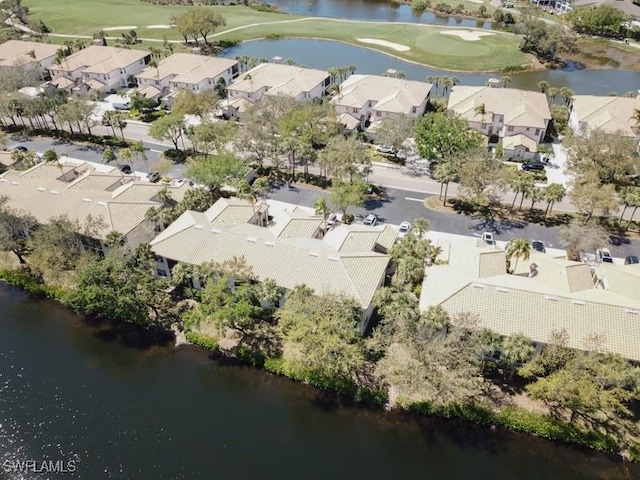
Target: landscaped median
{"points": [[461, 49]]}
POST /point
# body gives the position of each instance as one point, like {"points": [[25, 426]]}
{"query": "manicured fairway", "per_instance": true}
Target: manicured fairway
{"points": [[426, 43]]}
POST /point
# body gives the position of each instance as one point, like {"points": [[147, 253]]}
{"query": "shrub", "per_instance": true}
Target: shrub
{"points": [[30, 283], [203, 341], [273, 36]]}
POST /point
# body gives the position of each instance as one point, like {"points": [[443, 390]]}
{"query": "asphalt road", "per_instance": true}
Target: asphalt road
{"points": [[409, 205], [401, 204]]}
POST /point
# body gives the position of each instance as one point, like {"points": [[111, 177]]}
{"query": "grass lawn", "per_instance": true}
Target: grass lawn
{"points": [[426, 42]]}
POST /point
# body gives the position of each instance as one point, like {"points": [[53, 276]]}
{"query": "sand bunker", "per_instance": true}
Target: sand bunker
{"points": [[158, 26], [129, 27], [469, 35], [383, 43]]}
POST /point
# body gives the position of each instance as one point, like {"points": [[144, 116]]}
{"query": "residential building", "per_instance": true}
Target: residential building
{"points": [[627, 7], [561, 6], [273, 79], [609, 114], [79, 190], [372, 98], [499, 113], [544, 295], [14, 53], [101, 68], [186, 71], [283, 242]]}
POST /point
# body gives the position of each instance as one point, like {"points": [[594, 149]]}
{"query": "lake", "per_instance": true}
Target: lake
{"points": [[326, 53], [119, 408]]}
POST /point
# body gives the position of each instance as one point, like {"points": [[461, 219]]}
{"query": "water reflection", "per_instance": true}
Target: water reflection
{"points": [[325, 53]]}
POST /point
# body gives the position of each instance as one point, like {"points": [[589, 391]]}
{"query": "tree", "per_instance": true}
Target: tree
{"points": [[394, 132], [630, 197], [441, 135], [560, 118], [613, 157], [345, 159], [109, 156], [319, 334], [516, 350], [444, 173], [577, 237], [322, 208], [543, 86], [521, 184], [209, 136], [553, 193], [223, 168], [535, 194], [590, 196], [603, 20], [505, 80], [201, 104], [170, 127], [16, 227], [344, 195], [482, 179], [518, 248], [421, 226]]}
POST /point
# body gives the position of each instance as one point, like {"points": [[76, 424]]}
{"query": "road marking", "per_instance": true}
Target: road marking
{"points": [[156, 151], [411, 199]]}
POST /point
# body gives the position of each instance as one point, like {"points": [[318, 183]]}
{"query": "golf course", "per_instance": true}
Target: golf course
{"points": [[451, 48]]}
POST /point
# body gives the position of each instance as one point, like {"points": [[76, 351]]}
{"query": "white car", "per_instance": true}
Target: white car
{"points": [[405, 227], [604, 255], [487, 237], [371, 220], [385, 149]]}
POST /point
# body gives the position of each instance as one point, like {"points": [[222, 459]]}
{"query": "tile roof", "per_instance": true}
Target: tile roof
{"points": [[288, 80], [514, 141], [283, 254], [77, 190], [519, 107], [188, 68], [353, 238], [388, 94], [561, 295], [16, 52], [149, 91], [99, 59], [610, 114]]}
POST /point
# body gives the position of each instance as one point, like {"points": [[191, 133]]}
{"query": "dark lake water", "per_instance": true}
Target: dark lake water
{"points": [[324, 54], [373, 10], [71, 391]]}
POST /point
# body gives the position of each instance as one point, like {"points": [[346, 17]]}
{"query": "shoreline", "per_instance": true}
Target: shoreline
{"points": [[510, 417]]}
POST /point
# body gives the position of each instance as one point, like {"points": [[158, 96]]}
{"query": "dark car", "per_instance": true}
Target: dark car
{"points": [[538, 246], [534, 165], [153, 177], [125, 169], [631, 260], [21, 148]]}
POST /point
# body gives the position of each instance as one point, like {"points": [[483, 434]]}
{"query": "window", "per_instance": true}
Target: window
{"points": [[157, 82], [378, 114], [354, 110], [537, 131], [527, 129], [414, 109], [162, 273], [509, 128]]}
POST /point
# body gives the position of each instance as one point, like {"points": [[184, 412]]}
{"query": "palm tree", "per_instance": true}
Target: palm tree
{"points": [[518, 248], [636, 120], [446, 85], [455, 81], [445, 172], [436, 319], [480, 110], [506, 80], [421, 226], [270, 293], [50, 156], [567, 95], [553, 194], [536, 194], [552, 93], [109, 156], [516, 349], [521, 184], [322, 209], [632, 198], [543, 86]]}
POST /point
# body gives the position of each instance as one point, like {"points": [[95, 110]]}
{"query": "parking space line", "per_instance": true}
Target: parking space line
{"points": [[411, 199]]}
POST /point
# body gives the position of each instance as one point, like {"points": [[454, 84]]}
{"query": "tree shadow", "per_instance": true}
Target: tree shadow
{"points": [[129, 335]]}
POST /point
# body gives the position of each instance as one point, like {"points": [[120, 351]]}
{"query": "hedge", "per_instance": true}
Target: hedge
{"points": [[28, 282], [203, 341]]}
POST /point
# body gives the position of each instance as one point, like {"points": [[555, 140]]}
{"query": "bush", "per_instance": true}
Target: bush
{"points": [[30, 283], [348, 219], [273, 36], [203, 341], [262, 7]]}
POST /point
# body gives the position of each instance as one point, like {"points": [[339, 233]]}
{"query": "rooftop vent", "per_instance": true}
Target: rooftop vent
{"points": [[551, 299], [54, 192], [86, 200], [632, 311], [502, 290], [198, 227], [102, 203], [251, 239], [314, 254], [215, 230], [3, 180], [334, 259], [15, 183], [42, 189], [270, 244], [578, 302], [477, 285]]}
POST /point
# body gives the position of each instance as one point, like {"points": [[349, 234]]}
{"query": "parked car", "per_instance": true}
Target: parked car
{"points": [[405, 227], [125, 169], [487, 237], [371, 220], [153, 177], [332, 219], [533, 165], [538, 246], [386, 150], [21, 148], [604, 255], [631, 260]]}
